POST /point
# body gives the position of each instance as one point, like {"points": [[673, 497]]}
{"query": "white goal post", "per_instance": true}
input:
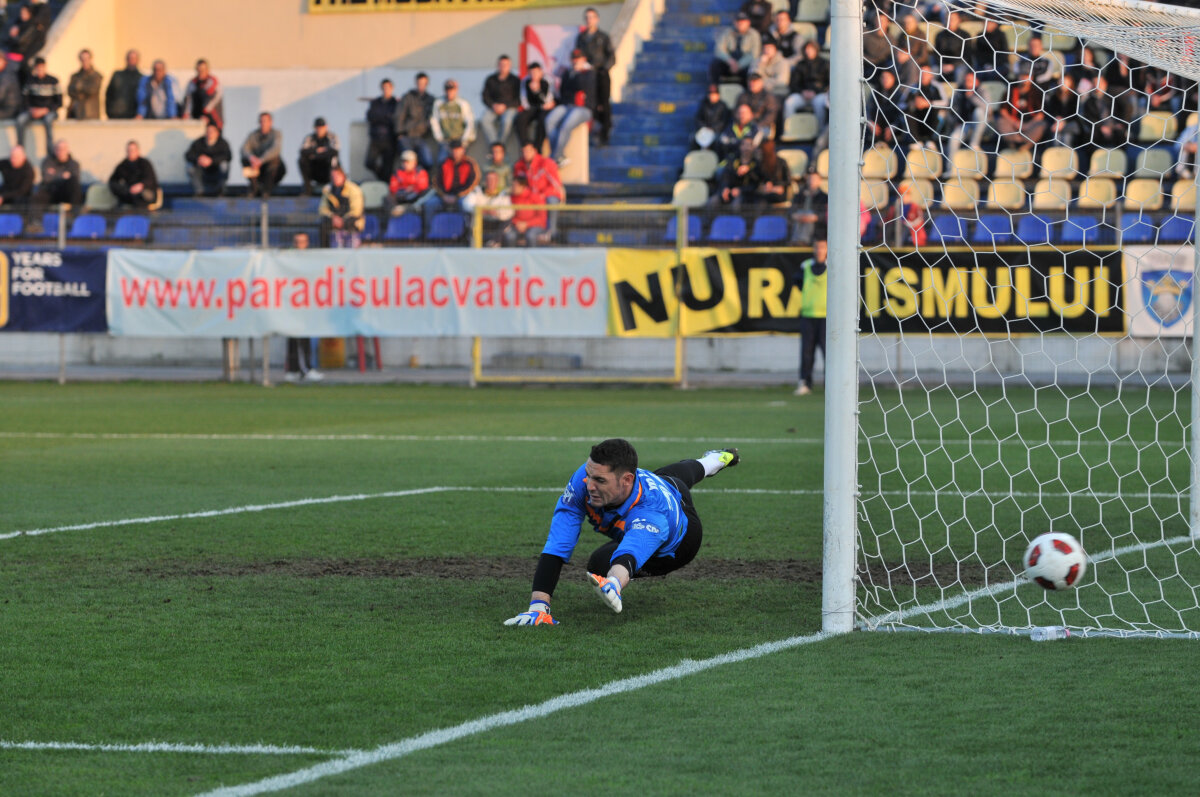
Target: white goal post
{"points": [[958, 432]]}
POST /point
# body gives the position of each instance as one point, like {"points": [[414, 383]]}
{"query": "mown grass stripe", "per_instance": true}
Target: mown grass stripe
{"points": [[171, 747]]}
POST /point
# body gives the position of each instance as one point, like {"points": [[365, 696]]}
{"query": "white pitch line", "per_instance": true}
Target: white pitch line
{"points": [[169, 747]]}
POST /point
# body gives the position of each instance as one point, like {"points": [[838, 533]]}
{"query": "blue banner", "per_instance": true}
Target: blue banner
{"points": [[47, 290]]}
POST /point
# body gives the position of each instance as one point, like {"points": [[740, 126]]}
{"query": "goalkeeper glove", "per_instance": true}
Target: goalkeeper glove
{"points": [[538, 614], [609, 589]]}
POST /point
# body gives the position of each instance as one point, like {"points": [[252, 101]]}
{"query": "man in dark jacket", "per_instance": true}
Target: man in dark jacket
{"points": [[208, 162], [43, 98], [60, 179], [576, 105], [318, 156], [120, 100], [381, 130], [412, 121], [134, 182], [501, 99], [17, 172], [712, 116], [598, 49], [10, 90]]}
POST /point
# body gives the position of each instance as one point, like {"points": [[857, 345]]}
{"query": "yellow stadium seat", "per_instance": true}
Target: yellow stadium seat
{"points": [[373, 193], [917, 192], [823, 163], [1155, 162], [99, 197], [1097, 192], [875, 193], [797, 161], [1008, 195], [1051, 193], [1060, 162], [970, 164], [1143, 194], [1108, 163], [1157, 126], [700, 164], [879, 162], [924, 164], [960, 194], [800, 127], [1183, 195], [813, 11], [1013, 164]]}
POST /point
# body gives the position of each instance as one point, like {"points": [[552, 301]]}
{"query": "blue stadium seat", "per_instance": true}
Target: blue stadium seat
{"points": [[132, 228], [88, 225], [370, 227], [993, 228], [949, 229], [769, 229], [693, 230], [727, 229], [1083, 231], [49, 226], [403, 228], [1137, 229], [1175, 230], [1033, 230], [447, 227], [11, 225]]}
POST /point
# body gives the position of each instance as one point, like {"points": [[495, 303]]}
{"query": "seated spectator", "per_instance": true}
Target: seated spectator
{"points": [[453, 120], [528, 225], [381, 131], [759, 12], [202, 97], [969, 117], [120, 99], [913, 41], [27, 36], [908, 72], [457, 176], [1105, 118], [17, 173], [927, 106], [262, 161], [134, 182], [60, 179], [887, 121], [537, 99], [1162, 89], [541, 174], [774, 69], [787, 39], [10, 90], [950, 46], [810, 208], [342, 211], [318, 157], [43, 98], [742, 128], [414, 123], [84, 89], [764, 104], [736, 52], [1062, 109], [1185, 152], [576, 105], [809, 86], [501, 100], [737, 182], [1037, 64], [499, 166], [712, 117], [408, 187], [157, 94], [1020, 123], [773, 180], [1086, 71], [208, 162], [990, 52], [877, 48], [916, 223], [494, 202]]}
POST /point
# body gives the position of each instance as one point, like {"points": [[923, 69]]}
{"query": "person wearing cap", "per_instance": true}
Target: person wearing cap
{"points": [[736, 52], [262, 157], [452, 120], [381, 131], [576, 105], [537, 100], [208, 162], [157, 94], [457, 176], [318, 156], [712, 117], [501, 100], [43, 98], [413, 125], [597, 47], [408, 187], [342, 211], [764, 104], [10, 90]]}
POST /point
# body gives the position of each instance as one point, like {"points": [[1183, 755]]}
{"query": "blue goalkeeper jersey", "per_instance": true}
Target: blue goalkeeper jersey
{"points": [[651, 522]]}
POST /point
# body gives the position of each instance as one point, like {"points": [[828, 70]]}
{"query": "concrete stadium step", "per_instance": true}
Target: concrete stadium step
{"points": [[624, 192], [680, 94], [695, 20], [671, 138], [722, 7], [636, 174], [664, 46], [635, 156], [677, 74]]}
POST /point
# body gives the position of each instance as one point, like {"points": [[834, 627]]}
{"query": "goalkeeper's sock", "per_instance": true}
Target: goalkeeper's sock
{"points": [[715, 461]]}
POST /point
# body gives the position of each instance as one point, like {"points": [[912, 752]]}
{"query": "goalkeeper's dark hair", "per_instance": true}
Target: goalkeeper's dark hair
{"points": [[617, 454]]}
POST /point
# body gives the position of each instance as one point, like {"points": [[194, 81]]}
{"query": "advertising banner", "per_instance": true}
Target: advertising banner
{"points": [[334, 292], [376, 6], [1159, 291], [47, 290]]}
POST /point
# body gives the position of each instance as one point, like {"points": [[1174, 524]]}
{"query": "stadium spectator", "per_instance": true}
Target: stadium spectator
{"points": [[414, 121], [43, 98], [457, 176], [712, 117], [990, 52], [1062, 109], [202, 97], [11, 99], [597, 47], [742, 128], [1105, 119], [1120, 74], [810, 208], [1162, 90], [157, 94], [300, 364], [134, 182], [498, 164], [809, 86], [1038, 65], [951, 47], [773, 180], [208, 161], [541, 173], [813, 282], [501, 101], [17, 173], [737, 182], [528, 225], [318, 157], [1086, 71], [887, 123], [877, 48], [763, 103], [120, 99], [262, 161], [908, 72], [27, 36], [537, 99], [913, 41], [1184, 150], [381, 131], [736, 52], [408, 187], [1020, 122], [927, 106], [84, 89], [453, 120], [774, 69], [916, 223], [342, 209], [494, 202], [787, 39], [969, 117], [759, 12], [60, 179], [576, 105]]}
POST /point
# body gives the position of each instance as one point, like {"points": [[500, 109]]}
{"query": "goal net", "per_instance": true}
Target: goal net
{"points": [[1027, 196]]}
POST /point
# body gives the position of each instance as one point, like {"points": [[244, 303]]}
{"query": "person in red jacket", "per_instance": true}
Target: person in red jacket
{"points": [[409, 186], [457, 176], [527, 224], [541, 174]]}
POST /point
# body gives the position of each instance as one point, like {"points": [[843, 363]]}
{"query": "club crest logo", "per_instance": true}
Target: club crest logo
{"points": [[568, 496], [1167, 295]]}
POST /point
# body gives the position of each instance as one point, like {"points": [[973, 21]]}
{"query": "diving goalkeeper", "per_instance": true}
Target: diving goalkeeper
{"points": [[648, 517]]}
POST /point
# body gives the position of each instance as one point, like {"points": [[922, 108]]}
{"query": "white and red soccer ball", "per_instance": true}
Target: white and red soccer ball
{"points": [[1055, 561]]}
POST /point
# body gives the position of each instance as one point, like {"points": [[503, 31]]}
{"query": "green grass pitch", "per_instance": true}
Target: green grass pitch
{"points": [[317, 629]]}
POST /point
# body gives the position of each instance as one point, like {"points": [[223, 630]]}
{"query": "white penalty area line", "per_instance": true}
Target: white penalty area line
{"points": [[169, 747]]}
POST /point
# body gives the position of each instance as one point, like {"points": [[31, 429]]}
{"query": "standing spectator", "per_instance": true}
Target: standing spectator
{"points": [[300, 363], [809, 86], [17, 173], [43, 98], [457, 176], [208, 162], [27, 36], [736, 52], [414, 121], [262, 161], [342, 211], [498, 166], [10, 90], [157, 94], [787, 39], [916, 222], [712, 117], [318, 156], [408, 187], [774, 69], [84, 89], [814, 288], [60, 179], [742, 128], [541, 174], [381, 130], [134, 182], [501, 100], [527, 225], [810, 208], [120, 100], [773, 178], [537, 99], [576, 105], [598, 49], [764, 104], [202, 97], [452, 120]]}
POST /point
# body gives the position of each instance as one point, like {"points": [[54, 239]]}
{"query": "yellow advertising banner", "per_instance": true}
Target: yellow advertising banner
{"points": [[376, 6]]}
